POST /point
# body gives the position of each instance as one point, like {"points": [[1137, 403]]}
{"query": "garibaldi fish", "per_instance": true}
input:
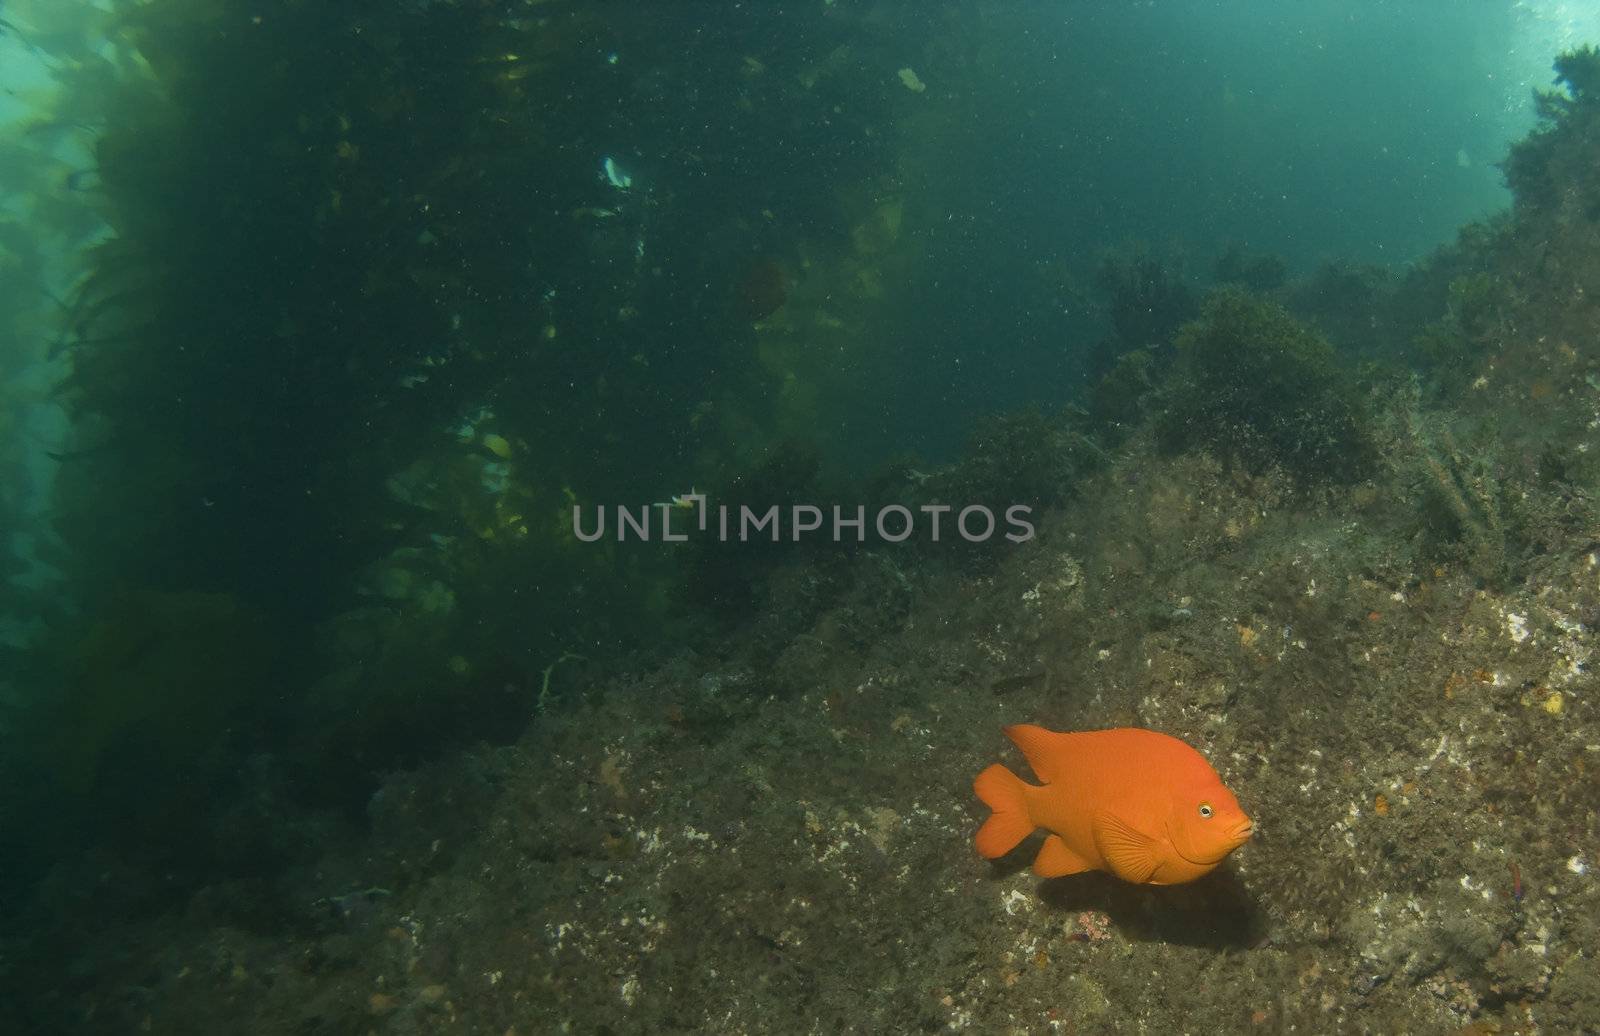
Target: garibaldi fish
{"points": [[1141, 805]]}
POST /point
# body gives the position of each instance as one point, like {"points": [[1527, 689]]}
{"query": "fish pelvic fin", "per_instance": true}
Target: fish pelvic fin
{"points": [[1005, 794], [1056, 860]]}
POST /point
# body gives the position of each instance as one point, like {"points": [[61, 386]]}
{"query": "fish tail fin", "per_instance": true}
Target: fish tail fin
{"points": [[1004, 793]]}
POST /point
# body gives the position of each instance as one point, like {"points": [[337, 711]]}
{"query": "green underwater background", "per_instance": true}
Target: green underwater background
{"points": [[329, 331]]}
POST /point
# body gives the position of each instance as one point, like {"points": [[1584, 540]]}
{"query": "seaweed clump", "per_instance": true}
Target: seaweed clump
{"points": [[1255, 386], [1146, 300], [1146, 303], [1117, 402], [1477, 315], [1464, 512], [1550, 169], [1026, 457], [1261, 273]]}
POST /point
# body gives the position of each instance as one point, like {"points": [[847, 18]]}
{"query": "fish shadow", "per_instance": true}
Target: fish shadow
{"points": [[1215, 912]]}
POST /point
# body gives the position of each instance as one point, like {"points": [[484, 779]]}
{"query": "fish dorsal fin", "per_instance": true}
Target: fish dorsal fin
{"points": [[1131, 854], [1039, 746], [1055, 860]]}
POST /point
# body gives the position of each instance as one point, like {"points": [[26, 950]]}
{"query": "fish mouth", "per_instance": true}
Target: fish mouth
{"points": [[1237, 835]]}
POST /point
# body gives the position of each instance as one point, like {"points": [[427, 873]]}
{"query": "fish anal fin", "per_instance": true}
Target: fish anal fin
{"points": [[1131, 854], [1056, 860]]}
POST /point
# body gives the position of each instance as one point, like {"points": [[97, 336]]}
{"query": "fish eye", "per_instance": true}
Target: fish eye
{"points": [[1205, 810]]}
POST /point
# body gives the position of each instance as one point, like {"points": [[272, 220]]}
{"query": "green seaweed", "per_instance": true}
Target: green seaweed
{"points": [[1258, 273], [1117, 402], [162, 677], [1550, 167], [1475, 314], [1256, 386]]}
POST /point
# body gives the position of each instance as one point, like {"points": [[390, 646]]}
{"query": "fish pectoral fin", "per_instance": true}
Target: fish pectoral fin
{"points": [[1131, 853], [1055, 860]]}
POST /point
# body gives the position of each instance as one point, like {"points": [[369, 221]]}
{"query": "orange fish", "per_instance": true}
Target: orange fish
{"points": [[1141, 805]]}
